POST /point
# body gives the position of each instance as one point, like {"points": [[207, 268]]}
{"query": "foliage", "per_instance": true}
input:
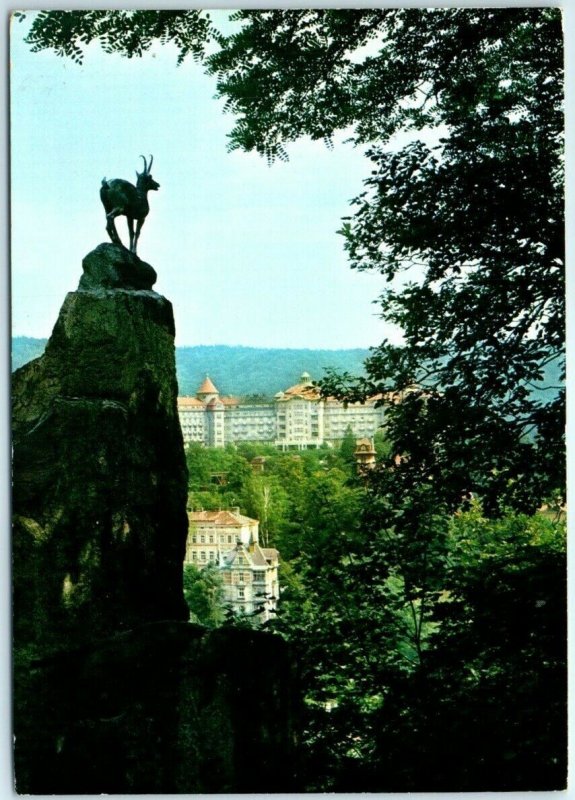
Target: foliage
{"points": [[481, 305], [216, 469], [204, 594], [347, 446], [130, 33], [494, 678], [447, 680]]}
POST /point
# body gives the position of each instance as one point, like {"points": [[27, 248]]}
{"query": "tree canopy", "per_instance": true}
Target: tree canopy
{"points": [[465, 222], [129, 33]]}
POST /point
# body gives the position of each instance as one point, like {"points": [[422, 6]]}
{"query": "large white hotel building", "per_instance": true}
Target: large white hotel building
{"points": [[297, 419]]}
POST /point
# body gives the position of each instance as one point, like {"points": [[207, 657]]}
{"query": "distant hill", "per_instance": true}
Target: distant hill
{"points": [[260, 371], [234, 370], [254, 370], [24, 349]]}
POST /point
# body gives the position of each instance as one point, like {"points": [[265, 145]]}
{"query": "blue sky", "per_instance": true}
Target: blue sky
{"points": [[247, 253]]}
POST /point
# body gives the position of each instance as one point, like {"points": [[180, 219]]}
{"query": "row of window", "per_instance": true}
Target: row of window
{"points": [[202, 557], [210, 539]]}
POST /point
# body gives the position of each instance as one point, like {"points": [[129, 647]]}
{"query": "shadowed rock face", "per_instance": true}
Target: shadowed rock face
{"points": [[114, 692], [165, 708], [100, 480]]}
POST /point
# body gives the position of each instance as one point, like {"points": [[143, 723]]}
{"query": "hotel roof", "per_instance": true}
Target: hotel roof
{"points": [[207, 387], [189, 402]]}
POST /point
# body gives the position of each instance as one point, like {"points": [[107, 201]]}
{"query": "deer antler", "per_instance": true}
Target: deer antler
{"points": [[147, 167]]}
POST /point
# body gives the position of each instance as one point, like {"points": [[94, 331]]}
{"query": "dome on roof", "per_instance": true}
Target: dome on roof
{"points": [[305, 377]]}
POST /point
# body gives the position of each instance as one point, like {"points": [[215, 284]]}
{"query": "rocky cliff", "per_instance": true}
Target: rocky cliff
{"points": [[114, 691], [100, 480]]}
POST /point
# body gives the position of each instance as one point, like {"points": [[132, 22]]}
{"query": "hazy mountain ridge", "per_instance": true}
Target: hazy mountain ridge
{"points": [[238, 370], [249, 370], [235, 370]]}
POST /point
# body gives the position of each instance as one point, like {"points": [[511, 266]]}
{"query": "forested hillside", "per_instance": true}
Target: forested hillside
{"points": [[245, 371], [234, 370], [255, 370], [24, 349]]}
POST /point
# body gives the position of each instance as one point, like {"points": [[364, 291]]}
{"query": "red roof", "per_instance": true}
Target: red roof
{"points": [[207, 387], [303, 390]]}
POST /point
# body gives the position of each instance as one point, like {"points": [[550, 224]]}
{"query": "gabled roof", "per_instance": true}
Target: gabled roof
{"points": [[257, 556], [207, 387], [254, 556], [238, 554], [270, 554], [224, 518]]}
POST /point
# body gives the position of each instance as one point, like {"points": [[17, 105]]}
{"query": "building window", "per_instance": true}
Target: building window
{"points": [[241, 592], [202, 538], [203, 555], [241, 577]]}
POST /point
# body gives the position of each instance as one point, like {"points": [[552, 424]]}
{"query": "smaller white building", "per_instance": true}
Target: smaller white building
{"points": [[251, 580], [229, 540]]}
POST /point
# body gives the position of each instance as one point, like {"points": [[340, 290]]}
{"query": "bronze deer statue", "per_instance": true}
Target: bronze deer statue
{"points": [[121, 197]]}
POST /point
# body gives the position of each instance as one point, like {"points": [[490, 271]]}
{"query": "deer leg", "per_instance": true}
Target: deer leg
{"points": [[139, 224], [130, 222], [111, 227]]}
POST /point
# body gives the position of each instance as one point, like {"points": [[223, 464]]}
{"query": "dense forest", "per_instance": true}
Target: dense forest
{"points": [[417, 650], [425, 603]]}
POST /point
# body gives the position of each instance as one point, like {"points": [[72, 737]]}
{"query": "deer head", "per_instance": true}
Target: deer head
{"points": [[145, 181]]}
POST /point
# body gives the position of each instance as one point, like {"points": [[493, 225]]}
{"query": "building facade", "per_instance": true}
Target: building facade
{"points": [[297, 419], [229, 541]]}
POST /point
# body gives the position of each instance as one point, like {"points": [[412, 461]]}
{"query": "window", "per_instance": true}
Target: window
{"points": [[241, 577], [203, 555], [202, 538], [241, 592]]}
